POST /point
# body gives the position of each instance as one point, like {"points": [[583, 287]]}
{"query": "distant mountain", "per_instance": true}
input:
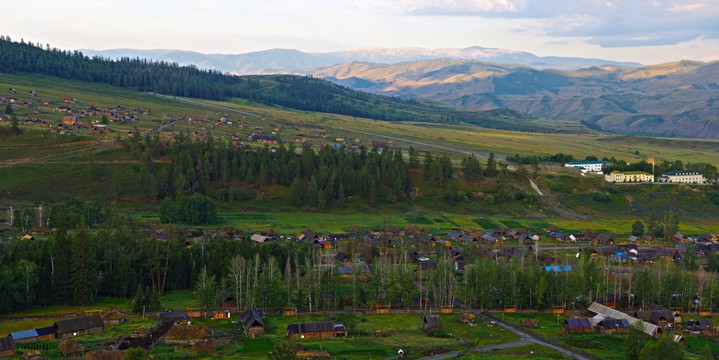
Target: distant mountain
{"points": [[679, 99], [275, 61]]}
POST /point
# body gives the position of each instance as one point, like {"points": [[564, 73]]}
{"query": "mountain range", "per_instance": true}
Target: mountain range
{"points": [[275, 61], [679, 99]]}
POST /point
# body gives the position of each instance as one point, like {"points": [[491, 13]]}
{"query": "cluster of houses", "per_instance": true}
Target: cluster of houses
{"points": [[651, 321], [675, 176]]}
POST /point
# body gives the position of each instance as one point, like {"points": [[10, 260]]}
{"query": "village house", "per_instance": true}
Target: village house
{"points": [[113, 318], [188, 335], [431, 323], [657, 315], [577, 324], [80, 325], [610, 326], [682, 177], [607, 312], [314, 330], [7, 347], [701, 326], [252, 323]]}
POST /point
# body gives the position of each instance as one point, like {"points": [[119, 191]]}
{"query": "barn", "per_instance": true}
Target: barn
{"points": [[577, 324], [80, 325], [312, 330], [7, 347]]}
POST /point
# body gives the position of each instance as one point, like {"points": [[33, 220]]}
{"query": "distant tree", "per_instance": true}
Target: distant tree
{"points": [[713, 261], [28, 273], [82, 269], [206, 290], [25, 220], [283, 351], [413, 158], [8, 110], [15, 128], [670, 224], [491, 170], [341, 197], [296, 193], [471, 168], [690, 256], [638, 228], [634, 342], [666, 349], [103, 120], [591, 158]]}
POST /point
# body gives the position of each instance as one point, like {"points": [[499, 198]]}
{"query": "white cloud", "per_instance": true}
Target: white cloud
{"points": [[686, 7]]}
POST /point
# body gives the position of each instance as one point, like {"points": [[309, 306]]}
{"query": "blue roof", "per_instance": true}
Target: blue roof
{"points": [[558, 268], [453, 235], [24, 334]]}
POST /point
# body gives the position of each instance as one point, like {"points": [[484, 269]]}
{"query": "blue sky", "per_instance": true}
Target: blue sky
{"points": [[646, 31]]}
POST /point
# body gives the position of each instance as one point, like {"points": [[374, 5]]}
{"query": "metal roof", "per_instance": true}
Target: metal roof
{"points": [[19, 335], [647, 328]]}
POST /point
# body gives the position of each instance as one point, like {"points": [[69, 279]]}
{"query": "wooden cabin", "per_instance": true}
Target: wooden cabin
{"points": [[113, 318], [252, 323], [7, 347], [577, 324], [313, 330], [610, 326], [701, 326], [80, 325], [46, 333], [189, 335], [431, 323]]}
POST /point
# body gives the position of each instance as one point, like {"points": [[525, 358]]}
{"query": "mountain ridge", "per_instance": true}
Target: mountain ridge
{"points": [[279, 60]]}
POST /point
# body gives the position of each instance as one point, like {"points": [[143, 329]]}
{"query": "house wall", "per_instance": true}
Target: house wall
{"points": [[7, 353], [255, 331], [315, 335]]}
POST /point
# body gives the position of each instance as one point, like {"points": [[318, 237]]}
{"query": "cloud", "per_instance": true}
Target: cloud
{"points": [[608, 23]]}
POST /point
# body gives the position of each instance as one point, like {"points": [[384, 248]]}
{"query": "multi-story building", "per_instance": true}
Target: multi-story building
{"points": [[594, 167], [683, 176], [629, 176]]}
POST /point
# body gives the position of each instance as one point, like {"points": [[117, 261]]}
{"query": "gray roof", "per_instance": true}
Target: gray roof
{"points": [[304, 328], [606, 311], [432, 321], [79, 323], [610, 323], [251, 318]]}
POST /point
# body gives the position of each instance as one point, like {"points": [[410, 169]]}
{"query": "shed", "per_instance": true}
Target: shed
{"points": [[320, 329], [113, 318], [46, 333], [24, 336], [7, 347], [606, 311], [701, 326], [79, 326], [252, 323], [577, 324], [432, 322], [609, 325]]}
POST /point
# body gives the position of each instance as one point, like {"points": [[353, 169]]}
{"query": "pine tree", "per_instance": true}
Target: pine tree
{"points": [[341, 197], [491, 166], [82, 267], [63, 265], [296, 193]]}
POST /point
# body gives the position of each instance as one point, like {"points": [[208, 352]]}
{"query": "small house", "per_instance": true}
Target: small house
{"points": [[609, 326], [431, 323], [221, 314], [7, 347], [656, 315], [113, 318], [577, 324], [188, 335], [252, 323], [80, 325], [701, 326], [312, 330], [24, 336], [340, 330], [226, 300], [46, 333]]}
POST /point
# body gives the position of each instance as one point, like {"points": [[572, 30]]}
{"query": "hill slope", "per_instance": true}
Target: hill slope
{"points": [[674, 99]]}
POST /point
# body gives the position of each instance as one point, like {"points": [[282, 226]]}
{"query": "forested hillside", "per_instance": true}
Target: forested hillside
{"points": [[296, 92]]}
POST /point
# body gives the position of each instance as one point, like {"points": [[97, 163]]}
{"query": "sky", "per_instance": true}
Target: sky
{"points": [[644, 31]]}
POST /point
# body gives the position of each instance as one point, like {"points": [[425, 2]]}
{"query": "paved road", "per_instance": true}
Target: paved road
{"points": [[523, 334], [394, 138], [454, 354]]}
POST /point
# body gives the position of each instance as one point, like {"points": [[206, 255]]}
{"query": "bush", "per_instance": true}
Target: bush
{"points": [[713, 196], [241, 194], [601, 196]]}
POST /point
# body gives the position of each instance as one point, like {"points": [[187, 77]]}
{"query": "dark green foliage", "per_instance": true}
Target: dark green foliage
{"points": [[82, 270], [471, 168], [665, 349], [297, 194], [634, 342], [638, 228], [534, 159], [134, 354], [713, 262], [206, 290], [491, 170], [601, 196], [283, 351], [195, 210]]}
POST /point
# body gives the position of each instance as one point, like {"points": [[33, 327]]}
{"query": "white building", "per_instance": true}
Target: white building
{"points": [[592, 167], [683, 176]]}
